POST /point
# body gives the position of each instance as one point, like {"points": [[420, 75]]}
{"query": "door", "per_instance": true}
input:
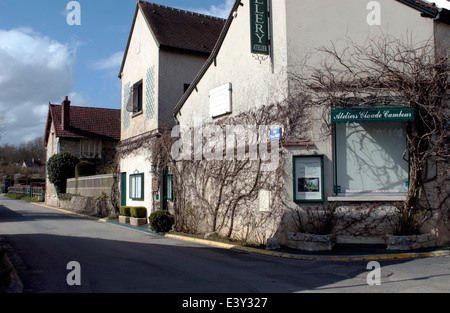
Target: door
{"points": [[123, 189], [167, 192]]}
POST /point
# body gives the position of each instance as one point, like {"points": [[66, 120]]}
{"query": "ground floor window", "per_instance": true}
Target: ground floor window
{"points": [[371, 157], [137, 186]]}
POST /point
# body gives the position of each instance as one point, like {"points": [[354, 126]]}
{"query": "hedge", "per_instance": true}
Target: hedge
{"points": [[138, 212], [124, 211]]}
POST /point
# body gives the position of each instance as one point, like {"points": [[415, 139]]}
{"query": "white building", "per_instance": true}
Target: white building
{"points": [[165, 50], [265, 44]]}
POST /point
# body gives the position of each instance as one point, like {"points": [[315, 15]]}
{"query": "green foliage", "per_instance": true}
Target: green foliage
{"points": [[161, 221], [138, 212], [61, 167], [26, 198], [124, 211], [84, 168]]}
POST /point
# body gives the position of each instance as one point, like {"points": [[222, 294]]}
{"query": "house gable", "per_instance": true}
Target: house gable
{"points": [[426, 10], [166, 48]]}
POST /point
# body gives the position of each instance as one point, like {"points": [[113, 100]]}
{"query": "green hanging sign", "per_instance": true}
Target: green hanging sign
{"points": [[378, 114], [259, 23]]}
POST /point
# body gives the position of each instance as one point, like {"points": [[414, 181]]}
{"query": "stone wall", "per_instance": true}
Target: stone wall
{"points": [[411, 242]]}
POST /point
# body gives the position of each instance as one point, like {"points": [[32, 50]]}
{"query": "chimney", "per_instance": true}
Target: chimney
{"points": [[65, 113]]}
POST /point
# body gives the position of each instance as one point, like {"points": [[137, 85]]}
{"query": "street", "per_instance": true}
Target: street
{"points": [[112, 259]]}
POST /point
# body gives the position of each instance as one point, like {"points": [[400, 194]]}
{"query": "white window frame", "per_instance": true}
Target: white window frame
{"points": [[137, 187]]}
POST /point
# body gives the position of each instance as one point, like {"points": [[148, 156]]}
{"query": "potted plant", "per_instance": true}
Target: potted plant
{"points": [[316, 233], [407, 224], [125, 214], [138, 216]]}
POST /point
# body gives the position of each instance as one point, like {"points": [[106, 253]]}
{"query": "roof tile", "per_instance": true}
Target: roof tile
{"points": [[85, 122], [181, 29]]}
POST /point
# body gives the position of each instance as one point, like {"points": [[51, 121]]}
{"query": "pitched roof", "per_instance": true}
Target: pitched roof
{"points": [[32, 163], [178, 29], [181, 29], [85, 123], [428, 9]]}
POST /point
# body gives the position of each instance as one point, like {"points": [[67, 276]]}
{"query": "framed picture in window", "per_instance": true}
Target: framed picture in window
{"points": [[308, 178]]}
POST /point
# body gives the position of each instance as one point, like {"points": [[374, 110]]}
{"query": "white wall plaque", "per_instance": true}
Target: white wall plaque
{"points": [[220, 100]]}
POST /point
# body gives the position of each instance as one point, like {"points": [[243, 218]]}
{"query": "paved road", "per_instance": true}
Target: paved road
{"points": [[117, 259]]}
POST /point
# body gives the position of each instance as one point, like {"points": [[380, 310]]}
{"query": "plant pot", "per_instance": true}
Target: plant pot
{"points": [[410, 242], [124, 219], [136, 221], [311, 242]]}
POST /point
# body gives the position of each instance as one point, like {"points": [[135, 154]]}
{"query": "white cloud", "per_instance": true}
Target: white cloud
{"points": [[113, 62], [34, 69], [221, 10], [441, 3]]}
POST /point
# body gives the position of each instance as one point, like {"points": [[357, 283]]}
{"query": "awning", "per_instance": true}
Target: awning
{"points": [[377, 114]]}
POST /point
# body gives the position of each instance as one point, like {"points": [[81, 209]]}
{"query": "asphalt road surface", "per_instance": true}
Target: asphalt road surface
{"points": [[110, 258]]}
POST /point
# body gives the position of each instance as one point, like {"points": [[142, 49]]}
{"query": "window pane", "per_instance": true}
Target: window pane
{"points": [[136, 186], [369, 157]]}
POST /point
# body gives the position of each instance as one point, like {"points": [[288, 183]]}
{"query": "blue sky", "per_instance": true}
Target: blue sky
{"points": [[43, 59]]}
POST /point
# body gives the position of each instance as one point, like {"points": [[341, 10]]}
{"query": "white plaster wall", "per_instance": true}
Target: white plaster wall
{"points": [[175, 69], [143, 53], [319, 23], [254, 83], [137, 163], [52, 146]]}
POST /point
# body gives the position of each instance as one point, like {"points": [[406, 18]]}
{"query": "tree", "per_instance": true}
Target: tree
{"points": [[1, 127], [388, 70], [61, 167]]}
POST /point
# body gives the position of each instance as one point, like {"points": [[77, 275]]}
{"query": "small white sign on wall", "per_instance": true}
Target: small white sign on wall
{"points": [[220, 100]]}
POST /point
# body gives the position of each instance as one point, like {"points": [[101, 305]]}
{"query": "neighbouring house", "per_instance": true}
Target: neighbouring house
{"points": [[351, 156], [34, 165], [88, 133], [166, 48]]}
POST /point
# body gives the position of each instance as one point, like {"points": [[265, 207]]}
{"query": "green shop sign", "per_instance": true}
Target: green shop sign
{"points": [[380, 114], [259, 23]]}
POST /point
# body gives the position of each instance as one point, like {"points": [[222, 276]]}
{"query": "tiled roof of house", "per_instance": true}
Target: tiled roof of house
{"points": [[427, 8], [32, 163], [178, 29], [85, 122], [181, 29]]}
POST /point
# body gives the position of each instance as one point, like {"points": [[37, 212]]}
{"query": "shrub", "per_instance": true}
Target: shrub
{"points": [[161, 221], [60, 167], [124, 211], [138, 212]]}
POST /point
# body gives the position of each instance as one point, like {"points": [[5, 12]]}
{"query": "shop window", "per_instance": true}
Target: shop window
{"points": [[370, 158], [137, 186]]}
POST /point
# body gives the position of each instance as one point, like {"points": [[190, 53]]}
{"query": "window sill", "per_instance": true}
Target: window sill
{"points": [[368, 198], [136, 114]]}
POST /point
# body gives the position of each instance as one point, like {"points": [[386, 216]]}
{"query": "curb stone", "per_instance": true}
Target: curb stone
{"points": [[317, 258]]}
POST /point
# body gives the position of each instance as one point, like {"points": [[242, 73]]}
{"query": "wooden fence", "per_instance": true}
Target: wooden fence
{"points": [[90, 186]]}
